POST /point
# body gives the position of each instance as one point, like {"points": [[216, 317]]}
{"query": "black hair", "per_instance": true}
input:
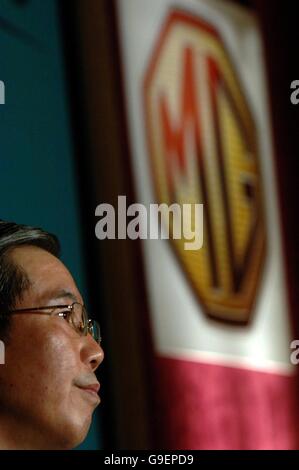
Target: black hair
{"points": [[13, 279]]}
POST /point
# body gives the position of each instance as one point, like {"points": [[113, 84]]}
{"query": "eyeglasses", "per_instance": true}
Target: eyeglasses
{"points": [[75, 314]]}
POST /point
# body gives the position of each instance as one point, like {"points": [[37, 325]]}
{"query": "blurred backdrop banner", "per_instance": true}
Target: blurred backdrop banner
{"points": [[197, 106]]}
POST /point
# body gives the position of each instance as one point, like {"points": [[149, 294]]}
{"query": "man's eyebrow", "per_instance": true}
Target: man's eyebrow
{"points": [[61, 294]]}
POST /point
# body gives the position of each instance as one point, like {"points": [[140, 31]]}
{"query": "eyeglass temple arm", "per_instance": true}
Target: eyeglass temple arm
{"points": [[49, 307]]}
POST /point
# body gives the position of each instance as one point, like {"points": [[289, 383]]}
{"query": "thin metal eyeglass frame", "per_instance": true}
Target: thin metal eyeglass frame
{"points": [[87, 327]]}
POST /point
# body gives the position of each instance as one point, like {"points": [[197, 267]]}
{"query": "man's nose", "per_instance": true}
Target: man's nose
{"points": [[92, 353]]}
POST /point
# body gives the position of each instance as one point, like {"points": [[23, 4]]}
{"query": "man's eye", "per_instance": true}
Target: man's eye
{"points": [[66, 315]]}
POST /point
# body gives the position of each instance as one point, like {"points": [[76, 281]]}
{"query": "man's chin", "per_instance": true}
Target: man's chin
{"points": [[80, 433], [74, 432]]}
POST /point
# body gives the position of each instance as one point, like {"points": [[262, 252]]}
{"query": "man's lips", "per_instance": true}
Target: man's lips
{"points": [[91, 389]]}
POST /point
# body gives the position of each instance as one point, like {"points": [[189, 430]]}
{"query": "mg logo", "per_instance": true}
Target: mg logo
{"points": [[203, 149]]}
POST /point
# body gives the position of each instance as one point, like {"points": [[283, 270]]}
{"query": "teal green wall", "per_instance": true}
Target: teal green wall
{"points": [[37, 184]]}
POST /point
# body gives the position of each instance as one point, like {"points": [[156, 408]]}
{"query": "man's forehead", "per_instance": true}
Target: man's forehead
{"points": [[30, 257], [49, 278]]}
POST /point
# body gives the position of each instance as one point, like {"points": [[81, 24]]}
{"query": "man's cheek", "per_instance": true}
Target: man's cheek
{"points": [[60, 359], [58, 345]]}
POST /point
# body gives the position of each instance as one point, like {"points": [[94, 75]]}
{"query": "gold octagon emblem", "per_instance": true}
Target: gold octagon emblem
{"points": [[203, 148]]}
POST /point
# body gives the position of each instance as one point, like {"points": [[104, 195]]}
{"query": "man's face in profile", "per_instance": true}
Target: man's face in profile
{"points": [[46, 396]]}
